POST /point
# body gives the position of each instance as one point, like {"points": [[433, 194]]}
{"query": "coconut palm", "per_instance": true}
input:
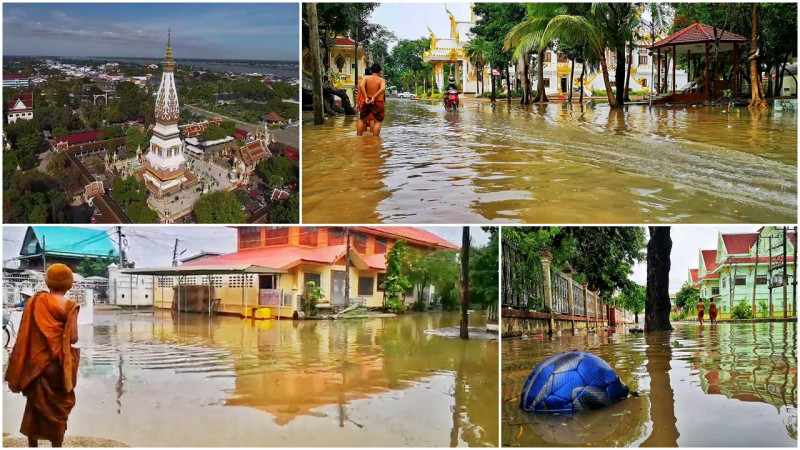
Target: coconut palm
{"points": [[477, 51]]}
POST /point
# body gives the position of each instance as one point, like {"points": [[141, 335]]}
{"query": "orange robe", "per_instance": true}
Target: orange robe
{"points": [[44, 365]]}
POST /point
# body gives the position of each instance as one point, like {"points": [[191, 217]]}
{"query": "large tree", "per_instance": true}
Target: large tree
{"points": [[495, 20], [657, 305], [465, 244], [687, 297], [219, 207]]}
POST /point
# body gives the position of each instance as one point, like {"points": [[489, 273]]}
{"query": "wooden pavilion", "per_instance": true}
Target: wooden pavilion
{"points": [[697, 38]]}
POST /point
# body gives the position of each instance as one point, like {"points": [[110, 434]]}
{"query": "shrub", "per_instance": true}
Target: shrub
{"points": [[419, 306], [311, 296], [742, 310], [763, 309]]}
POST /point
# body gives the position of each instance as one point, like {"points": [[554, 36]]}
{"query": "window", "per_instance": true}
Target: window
{"points": [[547, 82], [360, 243], [628, 60], [335, 236], [761, 279], [365, 285], [380, 245], [642, 60], [715, 291], [724, 282], [277, 236], [644, 82], [547, 57], [308, 236], [562, 58], [741, 280], [310, 276], [266, 281], [381, 279], [250, 237]]}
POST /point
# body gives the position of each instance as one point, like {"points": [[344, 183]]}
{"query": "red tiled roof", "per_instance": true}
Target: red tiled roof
{"points": [[761, 259], [196, 129], [272, 117], [14, 77], [376, 261], [739, 244], [277, 257], [25, 98], [412, 235], [695, 34], [254, 151], [344, 41], [710, 259], [79, 138], [693, 274]]}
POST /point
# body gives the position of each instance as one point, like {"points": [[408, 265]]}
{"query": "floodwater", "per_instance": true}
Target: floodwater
{"points": [[728, 385], [554, 163], [157, 381]]}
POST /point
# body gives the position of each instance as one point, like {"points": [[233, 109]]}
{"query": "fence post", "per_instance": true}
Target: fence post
{"points": [[602, 309], [586, 303], [568, 272], [594, 305], [546, 257]]}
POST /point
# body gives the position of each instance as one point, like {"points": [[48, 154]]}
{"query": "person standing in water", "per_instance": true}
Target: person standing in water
{"points": [[373, 88], [362, 98], [43, 364], [712, 312], [701, 307]]}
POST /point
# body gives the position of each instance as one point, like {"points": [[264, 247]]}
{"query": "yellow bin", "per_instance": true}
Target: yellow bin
{"points": [[257, 312]]}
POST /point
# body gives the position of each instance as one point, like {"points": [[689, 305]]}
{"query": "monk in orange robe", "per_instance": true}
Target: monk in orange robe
{"points": [[43, 364]]}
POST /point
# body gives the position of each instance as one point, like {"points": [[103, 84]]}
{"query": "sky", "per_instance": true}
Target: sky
{"points": [[152, 246], [411, 20], [199, 30]]}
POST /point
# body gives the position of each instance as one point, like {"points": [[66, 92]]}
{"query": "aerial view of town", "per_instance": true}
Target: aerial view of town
{"points": [[150, 120], [550, 112]]}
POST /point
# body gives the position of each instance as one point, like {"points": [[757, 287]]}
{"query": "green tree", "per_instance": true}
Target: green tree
{"points": [[95, 267], [495, 21], [478, 52], [219, 207], [484, 271], [278, 166], [286, 211], [133, 139], [632, 298], [395, 283], [687, 297], [437, 268], [230, 127], [34, 197], [139, 212], [214, 132]]}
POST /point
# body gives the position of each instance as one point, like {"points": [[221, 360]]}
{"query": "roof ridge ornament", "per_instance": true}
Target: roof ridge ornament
{"points": [[168, 56]]}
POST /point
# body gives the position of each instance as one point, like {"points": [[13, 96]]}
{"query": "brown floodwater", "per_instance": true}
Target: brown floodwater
{"points": [[157, 381], [727, 385], [552, 164]]}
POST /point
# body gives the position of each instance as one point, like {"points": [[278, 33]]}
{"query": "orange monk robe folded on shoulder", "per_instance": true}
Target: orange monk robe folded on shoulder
{"points": [[44, 365]]}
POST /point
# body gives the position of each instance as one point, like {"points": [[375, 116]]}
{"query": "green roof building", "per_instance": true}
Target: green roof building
{"points": [[67, 245]]}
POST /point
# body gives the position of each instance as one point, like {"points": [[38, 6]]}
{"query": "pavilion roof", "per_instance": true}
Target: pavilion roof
{"points": [[697, 33]]}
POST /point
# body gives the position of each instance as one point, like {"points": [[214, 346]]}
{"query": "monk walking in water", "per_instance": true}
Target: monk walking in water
{"points": [[372, 90], [712, 312], [701, 308], [43, 364]]}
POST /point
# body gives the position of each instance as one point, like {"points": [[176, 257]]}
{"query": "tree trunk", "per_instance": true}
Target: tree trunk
{"points": [[657, 305], [628, 77], [494, 87], [756, 95], [619, 75], [541, 95], [326, 61], [612, 102], [526, 79], [508, 85], [583, 73], [464, 332], [571, 77], [316, 74]]}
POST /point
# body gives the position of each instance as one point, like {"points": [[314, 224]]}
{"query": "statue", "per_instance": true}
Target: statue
{"points": [[433, 39], [453, 31]]}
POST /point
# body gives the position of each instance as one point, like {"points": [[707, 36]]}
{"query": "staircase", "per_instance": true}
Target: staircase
{"points": [[661, 98]]}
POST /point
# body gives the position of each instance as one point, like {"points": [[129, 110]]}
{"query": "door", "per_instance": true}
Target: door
{"points": [[338, 280], [564, 85]]}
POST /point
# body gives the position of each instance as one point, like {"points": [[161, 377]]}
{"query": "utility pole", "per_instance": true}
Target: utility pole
{"points": [[44, 255], [785, 294], [175, 254], [769, 275], [755, 278], [119, 244], [347, 269]]}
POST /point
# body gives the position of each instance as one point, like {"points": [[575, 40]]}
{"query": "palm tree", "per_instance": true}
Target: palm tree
{"points": [[477, 51], [658, 22], [530, 36]]}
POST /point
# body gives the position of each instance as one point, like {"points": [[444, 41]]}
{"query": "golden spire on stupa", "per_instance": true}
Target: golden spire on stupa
{"points": [[169, 46]]}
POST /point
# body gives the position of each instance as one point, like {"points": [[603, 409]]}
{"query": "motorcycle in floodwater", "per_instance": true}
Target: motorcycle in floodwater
{"points": [[451, 100]]}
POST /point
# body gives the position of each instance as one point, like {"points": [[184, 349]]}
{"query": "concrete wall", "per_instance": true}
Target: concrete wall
{"points": [[516, 323]]}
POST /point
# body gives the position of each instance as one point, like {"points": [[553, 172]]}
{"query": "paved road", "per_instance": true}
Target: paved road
{"points": [[290, 136]]}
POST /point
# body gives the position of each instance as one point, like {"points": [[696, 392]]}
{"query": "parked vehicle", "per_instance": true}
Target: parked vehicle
{"points": [[406, 95]]}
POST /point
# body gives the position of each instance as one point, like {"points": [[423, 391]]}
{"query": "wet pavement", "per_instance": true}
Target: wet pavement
{"points": [[728, 385], [159, 380], [554, 163]]}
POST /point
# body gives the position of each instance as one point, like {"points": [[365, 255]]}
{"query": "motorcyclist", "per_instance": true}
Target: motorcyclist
{"points": [[451, 90]]}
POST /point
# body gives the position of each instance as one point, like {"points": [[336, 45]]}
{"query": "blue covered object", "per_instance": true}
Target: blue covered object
{"points": [[572, 381]]}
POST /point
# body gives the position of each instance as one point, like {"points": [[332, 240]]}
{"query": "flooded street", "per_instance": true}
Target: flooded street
{"points": [[728, 385], [154, 380], [552, 164]]}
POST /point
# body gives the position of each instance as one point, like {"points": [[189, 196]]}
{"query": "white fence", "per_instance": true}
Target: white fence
{"points": [[84, 292]]}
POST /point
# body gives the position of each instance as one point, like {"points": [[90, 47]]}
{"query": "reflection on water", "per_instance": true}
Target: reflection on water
{"points": [[552, 164], [726, 385], [155, 381]]}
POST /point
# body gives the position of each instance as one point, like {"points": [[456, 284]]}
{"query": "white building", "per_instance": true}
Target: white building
{"points": [[20, 108], [16, 81]]}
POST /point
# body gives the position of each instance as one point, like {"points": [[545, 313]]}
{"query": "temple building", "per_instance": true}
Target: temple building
{"points": [[20, 108], [165, 164], [341, 61], [452, 50]]}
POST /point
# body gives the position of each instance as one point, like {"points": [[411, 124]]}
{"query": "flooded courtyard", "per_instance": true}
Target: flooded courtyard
{"points": [[728, 385], [161, 380], [555, 163]]}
